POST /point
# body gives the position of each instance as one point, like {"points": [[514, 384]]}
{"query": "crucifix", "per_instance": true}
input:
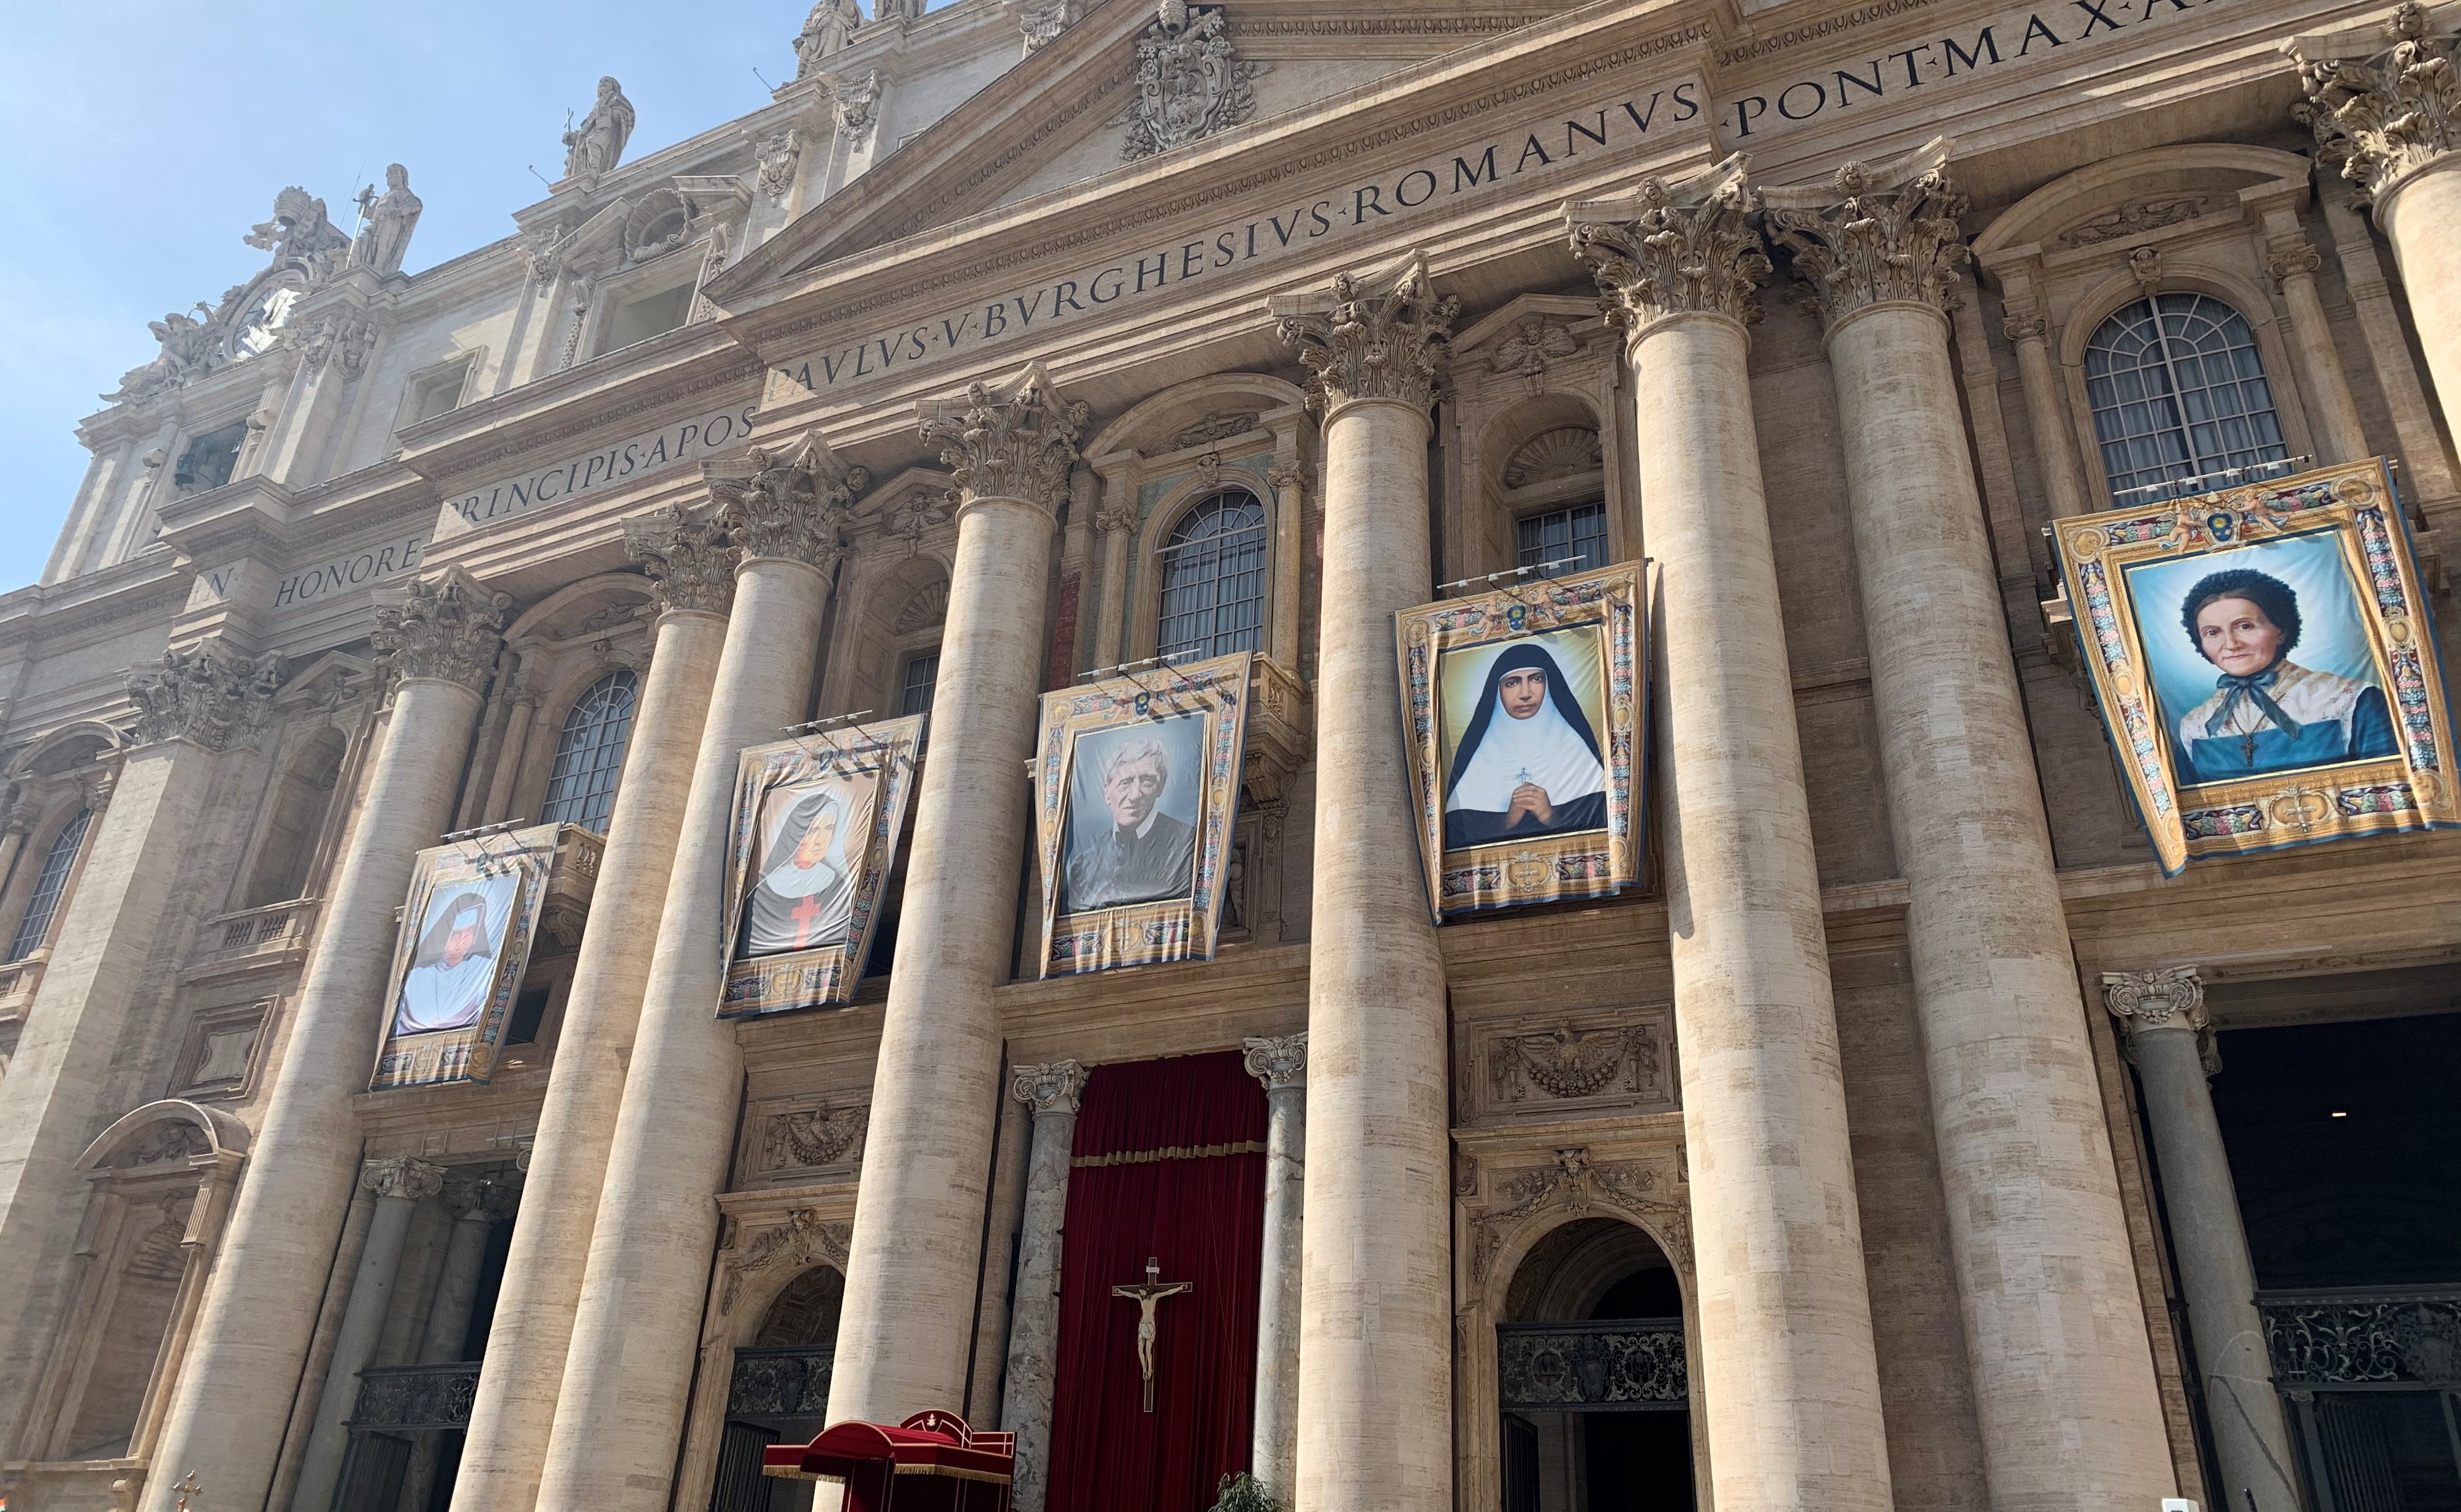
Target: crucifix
{"points": [[805, 914], [186, 1489], [1147, 1295]]}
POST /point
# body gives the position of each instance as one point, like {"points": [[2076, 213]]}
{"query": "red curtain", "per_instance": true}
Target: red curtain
{"points": [[1169, 1163]]}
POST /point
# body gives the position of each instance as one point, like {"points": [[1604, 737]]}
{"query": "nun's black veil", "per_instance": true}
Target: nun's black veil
{"points": [[1521, 658]]}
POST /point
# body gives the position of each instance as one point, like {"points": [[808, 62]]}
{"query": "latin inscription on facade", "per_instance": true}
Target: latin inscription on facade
{"points": [[627, 459]]}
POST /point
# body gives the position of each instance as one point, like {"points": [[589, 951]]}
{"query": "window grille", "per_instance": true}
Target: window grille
{"points": [[49, 883], [1213, 578], [589, 754], [921, 673], [1578, 534], [2178, 392]]}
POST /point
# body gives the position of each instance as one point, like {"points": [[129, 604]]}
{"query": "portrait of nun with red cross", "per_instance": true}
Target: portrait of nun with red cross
{"points": [[811, 855]]}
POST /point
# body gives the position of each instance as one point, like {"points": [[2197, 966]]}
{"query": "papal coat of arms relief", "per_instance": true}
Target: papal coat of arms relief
{"points": [[1190, 83]]}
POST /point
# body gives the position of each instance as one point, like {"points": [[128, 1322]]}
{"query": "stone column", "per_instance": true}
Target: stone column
{"points": [[67, 1077], [691, 568], [441, 636], [1281, 1065], [1289, 481], [1788, 1367], [477, 1207], [2339, 436], [1118, 524], [2386, 104], [397, 1185], [1051, 1091], [1375, 1383], [635, 1327], [2070, 1415], [2171, 1039], [912, 1264], [2046, 414], [2412, 412]]}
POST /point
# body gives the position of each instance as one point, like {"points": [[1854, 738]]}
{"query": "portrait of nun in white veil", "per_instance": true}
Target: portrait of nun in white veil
{"points": [[806, 896], [1529, 763]]}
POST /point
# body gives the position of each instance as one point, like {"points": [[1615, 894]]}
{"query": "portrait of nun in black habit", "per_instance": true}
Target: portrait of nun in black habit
{"points": [[1529, 764], [806, 895]]}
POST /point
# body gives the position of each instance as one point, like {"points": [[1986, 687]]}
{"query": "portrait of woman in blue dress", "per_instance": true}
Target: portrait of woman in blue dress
{"points": [[2266, 712], [1529, 763]]}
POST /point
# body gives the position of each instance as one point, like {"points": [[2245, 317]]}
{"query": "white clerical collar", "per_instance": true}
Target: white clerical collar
{"points": [[1142, 828]]}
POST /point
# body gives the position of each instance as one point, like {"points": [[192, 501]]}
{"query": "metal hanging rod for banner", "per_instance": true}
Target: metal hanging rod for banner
{"points": [[1127, 671], [474, 833], [822, 724], [1514, 573], [2218, 477], [816, 727]]}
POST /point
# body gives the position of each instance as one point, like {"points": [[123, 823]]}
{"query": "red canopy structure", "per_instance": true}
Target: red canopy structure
{"points": [[930, 1462]]}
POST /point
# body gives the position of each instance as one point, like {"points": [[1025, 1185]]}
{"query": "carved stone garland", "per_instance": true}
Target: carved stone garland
{"points": [[1190, 83], [688, 557], [1677, 253], [1575, 1184], [1363, 344], [1879, 243], [196, 696], [802, 1240], [2382, 115], [1016, 441], [792, 505], [447, 629], [814, 1137]]}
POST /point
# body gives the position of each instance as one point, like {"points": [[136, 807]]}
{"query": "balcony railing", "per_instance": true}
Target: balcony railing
{"points": [[1625, 1366], [780, 1382], [252, 935], [18, 980], [416, 1398], [2370, 1338]]}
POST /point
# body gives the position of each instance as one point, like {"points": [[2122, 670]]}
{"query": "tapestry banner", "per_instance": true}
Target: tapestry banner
{"points": [[815, 837], [464, 945], [1136, 786], [1521, 708], [2264, 661]]}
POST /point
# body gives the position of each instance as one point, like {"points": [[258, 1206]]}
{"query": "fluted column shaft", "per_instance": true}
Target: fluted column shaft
{"points": [[629, 1368], [234, 1394], [1790, 1371], [1281, 1065], [1375, 1382], [1051, 1091], [515, 1409], [2171, 1039], [398, 1185]]}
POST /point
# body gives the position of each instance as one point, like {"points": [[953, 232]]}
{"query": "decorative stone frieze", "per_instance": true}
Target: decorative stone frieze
{"points": [[1531, 349], [779, 155], [2384, 115], [802, 1240], [1567, 1064], [813, 1137], [346, 336], [1385, 337], [1052, 1088], [1278, 1062], [1576, 1184], [788, 505], [1191, 82], [1012, 440], [447, 628], [688, 556], [198, 695], [1674, 249], [1879, 234], [403, 1177]]}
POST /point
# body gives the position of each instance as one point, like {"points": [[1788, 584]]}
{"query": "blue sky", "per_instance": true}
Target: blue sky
{"points": [[140, 139]]}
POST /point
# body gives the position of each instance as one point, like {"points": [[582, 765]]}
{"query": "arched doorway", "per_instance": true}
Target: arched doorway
{"points": [[779, 1392], [1591, 1378]]}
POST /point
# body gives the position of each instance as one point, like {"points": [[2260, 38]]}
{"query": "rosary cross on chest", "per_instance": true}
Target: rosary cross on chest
{"points": [[1148, 1295]]}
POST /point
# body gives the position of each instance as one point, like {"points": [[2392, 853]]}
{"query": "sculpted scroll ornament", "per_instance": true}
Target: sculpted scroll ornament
{"points": [[802, 1240], [1674, 250], [447, 628], [779, 155], [1892, 236], [1363, 343], [790, 505], [1278, 1062], [1014, 441], [196, 696], [2382, 115], [2166, 998], [1189, 82], [402, 1178], [1575, 1184], [689, 559], [1052, 1088]]}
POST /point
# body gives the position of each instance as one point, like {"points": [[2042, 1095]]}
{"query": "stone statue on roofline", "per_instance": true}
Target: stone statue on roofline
{"points": [[386, 222], [597, 144], [828, 29]]}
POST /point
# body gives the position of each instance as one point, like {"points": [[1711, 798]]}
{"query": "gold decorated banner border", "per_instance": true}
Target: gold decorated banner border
{"points": [[527, 857], [2356, 507], [828, 975], [1551, 868], [1168, 930], [1168, 1152]]}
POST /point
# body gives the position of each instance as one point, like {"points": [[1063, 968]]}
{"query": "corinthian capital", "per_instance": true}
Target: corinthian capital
{"points": [[1675, 248], [1011, 440], [403, 1178], [1383, 337], [198, 695], [2382, 101], [690, 560], [788, 503], [446, 627], [1278, 1062], [1879, 233], [1052, 1088]]}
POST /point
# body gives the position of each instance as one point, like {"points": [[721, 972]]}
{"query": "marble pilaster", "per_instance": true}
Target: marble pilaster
{"points": [[914, 1259], [628, 1371], [692, 567], [398, 1185], [2070, 1416], [1281, 1065], [2047, 413], [1786, 1345], [2171, 1039], [1051, 1091], [1117, 524], [2339, 436], [440, 637], [477, 1207], [1375, 1384]]}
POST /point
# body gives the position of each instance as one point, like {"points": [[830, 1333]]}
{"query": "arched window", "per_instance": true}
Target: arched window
{"points": [[49, 884], [1213, 578], [589, 754], [2178, 392]]}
